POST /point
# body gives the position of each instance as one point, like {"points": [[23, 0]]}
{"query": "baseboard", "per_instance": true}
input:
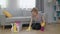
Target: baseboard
{"points": [[53, 23]]}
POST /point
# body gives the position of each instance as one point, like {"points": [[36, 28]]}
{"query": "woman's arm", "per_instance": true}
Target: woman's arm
{"points": [[43, 21], [29, 28], [30, 22]]}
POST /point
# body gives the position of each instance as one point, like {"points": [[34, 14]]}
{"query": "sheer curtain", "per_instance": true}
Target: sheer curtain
{"points": [[26, 3], [3, 3]]}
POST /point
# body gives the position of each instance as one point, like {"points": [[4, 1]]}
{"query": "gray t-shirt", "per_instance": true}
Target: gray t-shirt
{"points": [[35, 20]]}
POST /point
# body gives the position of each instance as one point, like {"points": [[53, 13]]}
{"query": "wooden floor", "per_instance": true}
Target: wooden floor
{"points": [[50, 29]]}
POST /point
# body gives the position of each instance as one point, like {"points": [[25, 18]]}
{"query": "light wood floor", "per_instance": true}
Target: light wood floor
{"points": [[50, 29]]}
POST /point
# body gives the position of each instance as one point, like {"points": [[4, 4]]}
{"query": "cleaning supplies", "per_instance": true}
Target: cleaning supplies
{"points": [[12, 27], [15, 28], [17, 24]]}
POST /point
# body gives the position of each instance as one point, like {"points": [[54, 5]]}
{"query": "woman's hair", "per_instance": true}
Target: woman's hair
{"points": [[35, 10]]}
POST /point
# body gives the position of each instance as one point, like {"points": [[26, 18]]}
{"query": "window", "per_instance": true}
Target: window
{"points": [[3, 3], [26, 3]]}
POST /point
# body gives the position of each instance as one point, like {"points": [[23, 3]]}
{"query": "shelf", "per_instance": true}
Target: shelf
{"points": [[58, 16], [57, 10], [58, 5]]}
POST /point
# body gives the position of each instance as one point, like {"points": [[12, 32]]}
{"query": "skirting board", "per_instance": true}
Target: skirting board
{"points": [[53, 23]]}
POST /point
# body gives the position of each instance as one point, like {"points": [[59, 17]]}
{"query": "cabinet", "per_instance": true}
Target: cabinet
{"points": [[57, 10]]}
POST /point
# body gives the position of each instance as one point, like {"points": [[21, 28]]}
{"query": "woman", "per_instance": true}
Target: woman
{"points": [[36, 19]]}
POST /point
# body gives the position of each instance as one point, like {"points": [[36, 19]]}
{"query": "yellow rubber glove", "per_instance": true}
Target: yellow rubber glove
{"points": [[42, 24], [29, 28]]}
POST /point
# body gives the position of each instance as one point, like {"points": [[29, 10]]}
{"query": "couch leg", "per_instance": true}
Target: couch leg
{"points": [[3, 27]]}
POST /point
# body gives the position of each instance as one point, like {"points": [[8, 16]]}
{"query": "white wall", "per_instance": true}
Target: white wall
{"points": [[12, 4]]}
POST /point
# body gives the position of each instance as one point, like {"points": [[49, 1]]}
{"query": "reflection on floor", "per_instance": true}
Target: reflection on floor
{"points": [[50, 29]]}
